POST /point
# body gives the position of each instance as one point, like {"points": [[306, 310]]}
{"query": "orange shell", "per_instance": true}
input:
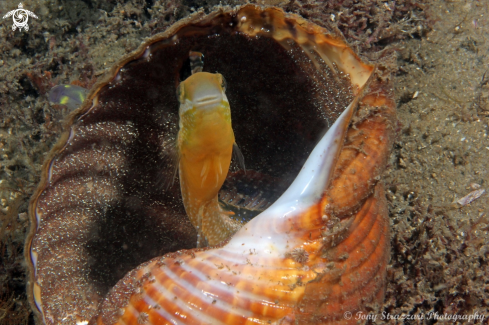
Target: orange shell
{"points": [[208, 286], [337, 259]]}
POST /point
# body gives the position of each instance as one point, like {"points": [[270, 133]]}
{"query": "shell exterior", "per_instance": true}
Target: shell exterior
{"points": [[321, 249]]}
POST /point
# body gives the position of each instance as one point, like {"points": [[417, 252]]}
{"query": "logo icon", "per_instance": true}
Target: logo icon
{"points": [[20, 17]]}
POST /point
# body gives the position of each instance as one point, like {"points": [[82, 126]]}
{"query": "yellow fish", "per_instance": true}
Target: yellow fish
{"points": [[205, 146], [69, 95]]}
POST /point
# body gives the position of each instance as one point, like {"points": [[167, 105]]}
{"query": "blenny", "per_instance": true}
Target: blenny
{"points": [[109, 245], [205, 146]]}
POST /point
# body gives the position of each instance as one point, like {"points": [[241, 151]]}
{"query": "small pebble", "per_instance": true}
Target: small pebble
{"points": [[474, 195]]}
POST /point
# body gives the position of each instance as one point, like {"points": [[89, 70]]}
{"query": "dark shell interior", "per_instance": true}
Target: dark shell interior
{"points": [[105, 207]]}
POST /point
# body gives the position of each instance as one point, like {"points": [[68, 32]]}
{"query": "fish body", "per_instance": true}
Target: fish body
{"points": [[205, 147]]}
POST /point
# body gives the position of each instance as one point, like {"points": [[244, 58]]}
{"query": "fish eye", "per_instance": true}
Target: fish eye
{"points": [[180, 93], [223, 83]]}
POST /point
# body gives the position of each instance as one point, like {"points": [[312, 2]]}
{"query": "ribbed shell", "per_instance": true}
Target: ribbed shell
{"points": [[100, 211], [222, 286]]}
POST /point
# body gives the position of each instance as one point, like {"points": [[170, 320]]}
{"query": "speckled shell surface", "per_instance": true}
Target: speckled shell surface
{"points": [[101, 212]]}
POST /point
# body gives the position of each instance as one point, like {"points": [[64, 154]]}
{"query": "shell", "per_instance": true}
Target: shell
{"points": [[285, 266], [100, 209]]}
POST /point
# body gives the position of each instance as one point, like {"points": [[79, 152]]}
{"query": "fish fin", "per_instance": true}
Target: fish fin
{"points": [[171, 161], [69, 95], [201, 238], [224, 211], [238, 155]]}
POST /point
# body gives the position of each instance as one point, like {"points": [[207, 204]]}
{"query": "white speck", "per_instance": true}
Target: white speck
{"points": [[472, 196]]}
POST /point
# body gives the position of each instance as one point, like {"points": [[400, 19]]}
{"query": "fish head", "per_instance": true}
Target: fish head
{"points": [[202, 90]]}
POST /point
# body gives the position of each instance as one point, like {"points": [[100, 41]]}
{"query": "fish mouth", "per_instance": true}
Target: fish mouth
{"points": [[207, 101]]}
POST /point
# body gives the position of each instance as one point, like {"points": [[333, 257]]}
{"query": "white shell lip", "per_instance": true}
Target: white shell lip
{"points": [[305, 191]]}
